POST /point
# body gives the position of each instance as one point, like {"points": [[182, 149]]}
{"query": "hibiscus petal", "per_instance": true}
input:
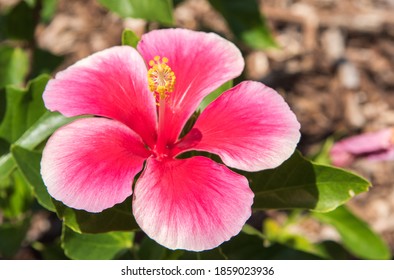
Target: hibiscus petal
{"points": [[381, 155], [376, 145], [90, 164], [250, 127], [193, 204], [201, 63], [111, 83]]}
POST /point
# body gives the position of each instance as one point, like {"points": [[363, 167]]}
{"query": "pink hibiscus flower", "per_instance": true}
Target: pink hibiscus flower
{"points": [[373, 146], [194, 203]]}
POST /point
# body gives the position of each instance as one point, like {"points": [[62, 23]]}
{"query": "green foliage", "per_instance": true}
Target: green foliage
{"points": [[14, 65], [213, 254], [276, 233], [247, 246], [48, 10], [357, 236], [150, 250], [12, 236], [246, 22], [284, 234], [299, 183], [18, 23], [50, 251], [31, 138], [215, 94], [44, 62], [25, 121], [31, 3], [15, 196], [117, 218], [42, 129], [7, 165], [152, 10], [323, 156], [104, 246], [17, 26], [24, 108], [333, 250], [29, 164], [129, 38]]}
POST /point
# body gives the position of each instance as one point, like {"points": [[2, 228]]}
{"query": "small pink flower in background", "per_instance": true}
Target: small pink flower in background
{"points": [[375, 146], [144, 99]]}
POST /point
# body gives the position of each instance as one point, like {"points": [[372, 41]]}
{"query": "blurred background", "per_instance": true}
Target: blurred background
{"points": [[332, 60]]}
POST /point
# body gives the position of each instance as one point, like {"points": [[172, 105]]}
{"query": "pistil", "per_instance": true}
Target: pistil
{"points": [[161, 81]]}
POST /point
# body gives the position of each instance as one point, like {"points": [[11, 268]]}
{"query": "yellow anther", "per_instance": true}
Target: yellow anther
{"points": [[161, 78]]}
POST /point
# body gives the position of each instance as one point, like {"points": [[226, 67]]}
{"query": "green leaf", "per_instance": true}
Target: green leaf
{"points": [[14, 65], [25, 121], [152, 10], [32, 137], [300, 183], [246, 22], [2, 103], [48, 10], [248, 229], [129, 38], [12, 236], [16, 198], [277, 233], [4, 147], [151, 250], [44, 62], [31, 3], [251, 247], [333, 250], [29, 164], [357, 236], [215, 94], [214, 254], [50, 251], [116, 218], [47, 124], [24, 108], [104, 246], [7, 165], [18, 23], [323, 156]]}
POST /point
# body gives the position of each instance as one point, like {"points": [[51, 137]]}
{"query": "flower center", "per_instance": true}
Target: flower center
{"points": [[161, 79]]}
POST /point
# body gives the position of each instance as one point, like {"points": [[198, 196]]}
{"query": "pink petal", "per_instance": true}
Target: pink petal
{"points": [[111, 83], [382, 155], [90, 164], [376, 144], [250, 127], [193, 204], [201, 63]]}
